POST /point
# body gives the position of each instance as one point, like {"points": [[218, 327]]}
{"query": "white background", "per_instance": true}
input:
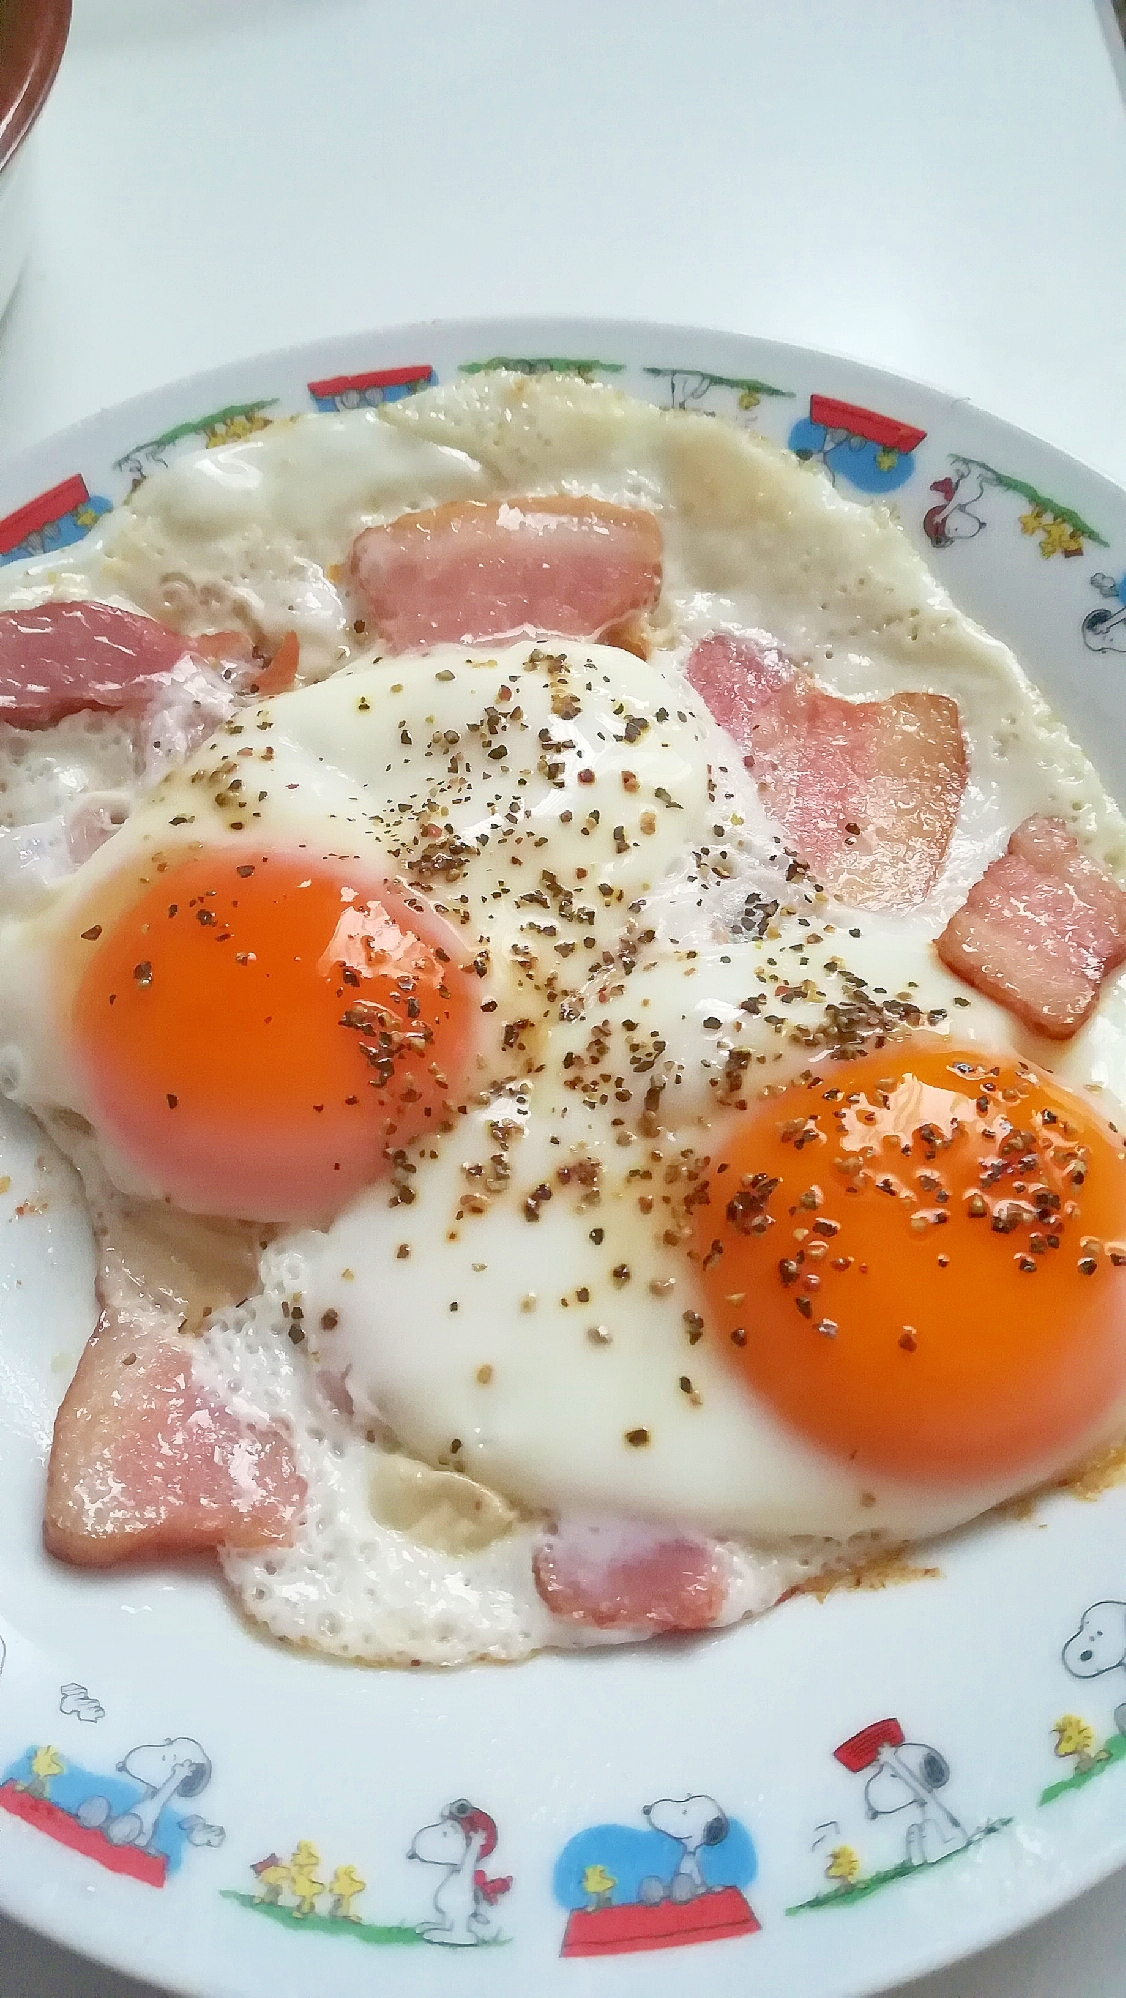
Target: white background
{"points": [[938, 189]]}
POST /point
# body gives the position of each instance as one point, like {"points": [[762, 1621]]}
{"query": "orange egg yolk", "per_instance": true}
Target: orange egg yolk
{"points": [[916, 1259], [257, 1033]]}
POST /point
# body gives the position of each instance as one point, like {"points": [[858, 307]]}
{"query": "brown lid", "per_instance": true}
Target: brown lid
{"points": [[32, 39]]}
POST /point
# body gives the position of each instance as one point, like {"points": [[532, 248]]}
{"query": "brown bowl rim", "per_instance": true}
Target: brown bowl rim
{"points": [[32, 39]]}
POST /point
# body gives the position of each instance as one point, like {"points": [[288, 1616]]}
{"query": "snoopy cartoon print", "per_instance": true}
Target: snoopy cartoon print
{"points": [[678, 1880], [1098, 1647], [1095, 1651], [872, 452], [954, 516], [907, 1776], [904, 1782], [694, 1823], [127, 1822], [1104, 629], [163, 1770], [465, 1897]]}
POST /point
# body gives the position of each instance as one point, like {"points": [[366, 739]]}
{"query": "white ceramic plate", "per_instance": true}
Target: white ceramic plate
{"points": [[139, 1702]]}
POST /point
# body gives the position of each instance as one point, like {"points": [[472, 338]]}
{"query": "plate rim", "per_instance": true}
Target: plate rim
{"points": [[532, 324], [632, 333]]}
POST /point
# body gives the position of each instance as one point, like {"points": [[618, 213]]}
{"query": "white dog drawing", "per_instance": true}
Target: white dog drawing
{"points": [[464, 1897], [1098, 1646], [163, 1770], [694, 1822]]}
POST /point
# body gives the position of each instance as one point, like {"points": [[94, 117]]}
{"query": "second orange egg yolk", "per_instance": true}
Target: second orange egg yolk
{"points": [[918, 1260], [257, 1032]]}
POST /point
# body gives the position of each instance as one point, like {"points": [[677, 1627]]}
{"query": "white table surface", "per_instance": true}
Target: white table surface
{"points": [[936, 189]]}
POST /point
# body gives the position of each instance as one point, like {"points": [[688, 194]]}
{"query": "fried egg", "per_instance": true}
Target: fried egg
{"points": [[617, 1175]]}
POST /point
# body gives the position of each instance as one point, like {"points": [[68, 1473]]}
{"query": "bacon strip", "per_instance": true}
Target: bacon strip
{"points": [[615, 1575], [278, 676], [145, 1461], [219, 646], [1040, 931], [735, 678], [62, 657], [867, 792], [59, 658], [475, 569]]}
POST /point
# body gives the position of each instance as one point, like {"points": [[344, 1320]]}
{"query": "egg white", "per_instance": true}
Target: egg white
{"points": [[675, 905], [524, 1348]]}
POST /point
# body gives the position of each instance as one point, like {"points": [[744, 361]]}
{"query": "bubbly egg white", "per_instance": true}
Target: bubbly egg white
{"points": [[601, 873], [387, 1567], [645, 959]]}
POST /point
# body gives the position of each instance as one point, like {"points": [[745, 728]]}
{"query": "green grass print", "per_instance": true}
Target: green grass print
{"points": [[325, 1925], [195, 428], [540, 364], [365, 1932], [1111, 1752], [1035, 498], [839, 1897]]}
